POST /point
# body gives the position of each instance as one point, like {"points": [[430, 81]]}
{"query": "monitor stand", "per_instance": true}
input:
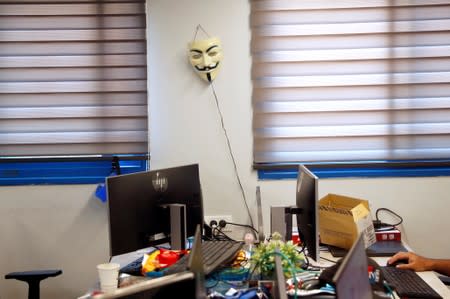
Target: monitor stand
{"points": [[281, 220], [177, 226]]}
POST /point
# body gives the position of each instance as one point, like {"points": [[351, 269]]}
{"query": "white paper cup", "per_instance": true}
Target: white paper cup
{"points": [[109, 275]]}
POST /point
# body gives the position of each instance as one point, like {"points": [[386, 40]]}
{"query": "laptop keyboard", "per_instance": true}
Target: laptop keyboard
{"points": [[215, 255], [408, 284]]}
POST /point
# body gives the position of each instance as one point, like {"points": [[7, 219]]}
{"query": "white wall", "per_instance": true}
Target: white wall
{"points": [[66, 227], [52, 227]]}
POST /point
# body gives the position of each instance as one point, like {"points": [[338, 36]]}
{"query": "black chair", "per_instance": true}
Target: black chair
{"points": [[33, 278]]}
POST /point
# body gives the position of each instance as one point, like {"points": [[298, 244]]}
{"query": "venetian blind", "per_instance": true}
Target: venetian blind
{"points": [[72, 77], [350, 80]]}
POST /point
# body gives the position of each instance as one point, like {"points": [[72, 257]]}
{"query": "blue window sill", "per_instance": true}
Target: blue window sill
{"points": [[359, 170], [15, 172]]}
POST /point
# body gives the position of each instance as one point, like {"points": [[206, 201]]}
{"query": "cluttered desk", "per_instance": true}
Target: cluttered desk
{"points": [[256, 268]]}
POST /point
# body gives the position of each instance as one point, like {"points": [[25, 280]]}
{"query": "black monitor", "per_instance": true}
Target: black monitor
{"points": [[138, 206], [307, 218]]}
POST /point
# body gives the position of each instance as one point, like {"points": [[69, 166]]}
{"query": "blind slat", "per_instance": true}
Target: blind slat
{"points": [[352, 28], [350, 130], [353, 105], [77, 112], [325, 4], [353, 54], [71, 35], [72, 99], [357, 79], [68, 22], [355, 155], [72, 124], [73, 61], [74, 137], [74, 86], [63, 48], [74, 73], [56, 9]]}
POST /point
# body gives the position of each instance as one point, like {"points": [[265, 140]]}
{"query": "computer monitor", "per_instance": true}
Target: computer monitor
{"points": [[138, 208], [307, 218]]}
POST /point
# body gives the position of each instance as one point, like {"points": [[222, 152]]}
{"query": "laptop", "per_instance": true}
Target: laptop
{"points": [[280, 280], [377, 249], [351, 278]]}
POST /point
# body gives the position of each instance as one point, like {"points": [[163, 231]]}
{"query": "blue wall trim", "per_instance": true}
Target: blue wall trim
{"points": [[31, 172], [357, 172]]}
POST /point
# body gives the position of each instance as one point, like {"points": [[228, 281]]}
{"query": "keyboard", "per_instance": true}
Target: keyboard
{"points": [[133, 268], [408, 284], [215, 255]]}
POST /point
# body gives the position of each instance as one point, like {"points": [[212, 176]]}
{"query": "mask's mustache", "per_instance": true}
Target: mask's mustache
{"points": [[206, 68]]}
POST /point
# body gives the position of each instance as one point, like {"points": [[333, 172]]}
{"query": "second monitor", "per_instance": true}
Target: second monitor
{"points": [[306, 202], [306, 213]]}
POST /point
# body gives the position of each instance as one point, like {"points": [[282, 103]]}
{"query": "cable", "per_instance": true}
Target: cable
{"points": [[222, 235], [199, 27], [231, 154], [222, 224], [379, 225]]}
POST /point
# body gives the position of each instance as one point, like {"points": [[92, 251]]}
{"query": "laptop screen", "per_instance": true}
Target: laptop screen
{"points": [[352, 278]]}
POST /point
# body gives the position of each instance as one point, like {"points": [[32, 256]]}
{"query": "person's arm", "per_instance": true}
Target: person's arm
{"points": [[441, 266], [419, 263]]}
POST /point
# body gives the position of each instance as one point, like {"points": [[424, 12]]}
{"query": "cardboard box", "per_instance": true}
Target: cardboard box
{"points": [[342, 218]]}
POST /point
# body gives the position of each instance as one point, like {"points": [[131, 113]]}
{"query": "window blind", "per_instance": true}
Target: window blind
{"points": [[350, 80], [73, 78]]}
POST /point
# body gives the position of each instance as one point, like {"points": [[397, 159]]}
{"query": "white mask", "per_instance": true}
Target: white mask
{"points": [[206, 57]]}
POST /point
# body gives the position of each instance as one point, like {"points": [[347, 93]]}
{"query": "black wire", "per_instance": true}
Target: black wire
{"points": [[391, 212], [222, 235], [243, 225], [231, 154], [302, 250]]}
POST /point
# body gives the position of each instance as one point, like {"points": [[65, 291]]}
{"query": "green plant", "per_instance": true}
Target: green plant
{"points": [[263, 257]]}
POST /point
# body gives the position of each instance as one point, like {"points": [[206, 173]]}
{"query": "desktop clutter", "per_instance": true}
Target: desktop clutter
{"points": [[152, 209], [272, 268]]}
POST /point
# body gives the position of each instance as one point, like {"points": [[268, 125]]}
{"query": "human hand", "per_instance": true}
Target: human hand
{"points": [[410, 261]]}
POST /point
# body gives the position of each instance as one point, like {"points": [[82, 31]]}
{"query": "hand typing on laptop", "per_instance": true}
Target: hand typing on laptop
{"points": [[412, 261]]}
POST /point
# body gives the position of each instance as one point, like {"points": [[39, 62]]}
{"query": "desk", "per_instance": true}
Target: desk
{"points": [[429, 276], [150, 284]]}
